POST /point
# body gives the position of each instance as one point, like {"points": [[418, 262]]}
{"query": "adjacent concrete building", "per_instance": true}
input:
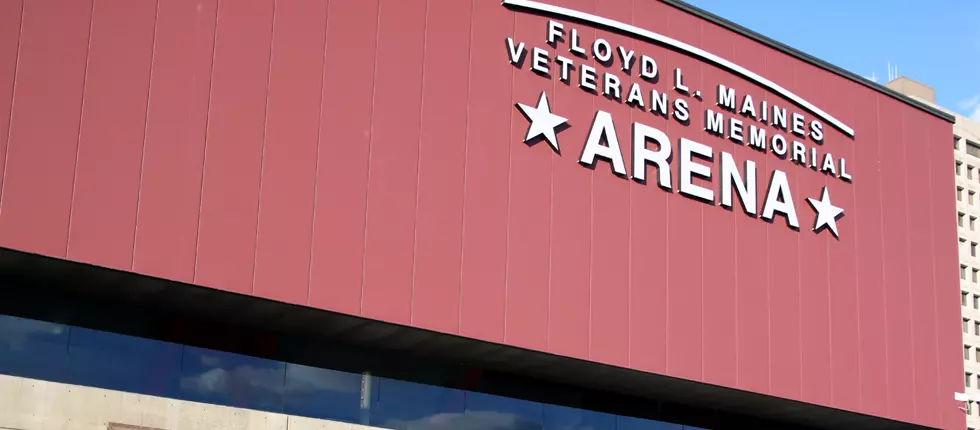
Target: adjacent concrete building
{"points": [[966, 147]]}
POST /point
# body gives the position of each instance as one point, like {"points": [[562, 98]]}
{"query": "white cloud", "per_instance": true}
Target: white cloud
{"points": [[971, 107], [19, 331], [219, 380]]}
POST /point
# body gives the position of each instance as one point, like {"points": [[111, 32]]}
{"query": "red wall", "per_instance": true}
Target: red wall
{"points": [[369, 159]]}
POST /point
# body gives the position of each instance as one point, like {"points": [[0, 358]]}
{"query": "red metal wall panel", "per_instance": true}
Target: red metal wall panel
{"points": [[337, 259], [485, 223], [102, 227], [571, 224], [648, 256], [289, 158], [173, 150], [39, 168], [393, 170], [439, 229], [367, 157], [11, 13]]}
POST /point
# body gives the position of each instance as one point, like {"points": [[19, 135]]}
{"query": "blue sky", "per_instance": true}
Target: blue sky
{"points": [[937, 45]]}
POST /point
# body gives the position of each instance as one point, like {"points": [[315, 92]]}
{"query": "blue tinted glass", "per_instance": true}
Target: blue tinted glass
{"points": [[630, 423], [322, 393], [119, 362], [223, 378], [404, 405], [564, 418], [33, 349], [485, 411]]}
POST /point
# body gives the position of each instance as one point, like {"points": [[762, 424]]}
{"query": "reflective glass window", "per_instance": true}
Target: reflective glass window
{"points": [[565, 418], [630, 423], [33, 349], [486, 411], [223, 378], [120, 362], [402, 405], [323, 393]]}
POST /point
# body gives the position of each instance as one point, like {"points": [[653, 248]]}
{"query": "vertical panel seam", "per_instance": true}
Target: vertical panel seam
{"points": [[932, 253], [629, 223], [466, 155], [78, 134], [13, 97], [265, 138], [881, 210], [935, 287], [857, 287], [510, 164], [418, 164], [367, 184], [207, 135], [319, 142], [908, 268], [146, 121], [799, 289]]}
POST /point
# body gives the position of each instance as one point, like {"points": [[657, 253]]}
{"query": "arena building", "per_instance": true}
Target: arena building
{"points": [[445, 214]]}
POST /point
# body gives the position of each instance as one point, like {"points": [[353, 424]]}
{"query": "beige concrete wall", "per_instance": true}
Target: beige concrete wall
{"points": [[30, 404]]}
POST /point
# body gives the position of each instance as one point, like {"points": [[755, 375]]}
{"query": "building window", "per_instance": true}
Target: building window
{"points": [[969, 171], [969, 376], [975, 275], [972, 148], [973, 249], [966, 351], [959, 168], [962, 272], [959, 219], [959, 194], [964, 296], [973, 223], [970, 197], [976, 301], [966, 325], [956, 142]]}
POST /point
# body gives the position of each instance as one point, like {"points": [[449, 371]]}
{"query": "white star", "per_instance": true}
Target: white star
{"points": [[542, 121], [827, 213]]}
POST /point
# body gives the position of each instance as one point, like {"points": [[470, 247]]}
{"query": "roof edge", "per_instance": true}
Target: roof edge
{"points": [[786, 49]]}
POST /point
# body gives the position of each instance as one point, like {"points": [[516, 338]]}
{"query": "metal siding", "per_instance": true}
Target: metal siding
{"points": [[110, 144], [725, 320], [814, 252], [393, 170], [43, 136], [868, 214], [785, 308], [529, 216], [173, 149], [571, 220], [648, 227], [11, 13], [337, 257], [289, 159], [843, 263], [923, 306], [364, 162], [487, 170], [895, 247], [685, 221], [609, 334], [235, 141], [442, 157]]}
